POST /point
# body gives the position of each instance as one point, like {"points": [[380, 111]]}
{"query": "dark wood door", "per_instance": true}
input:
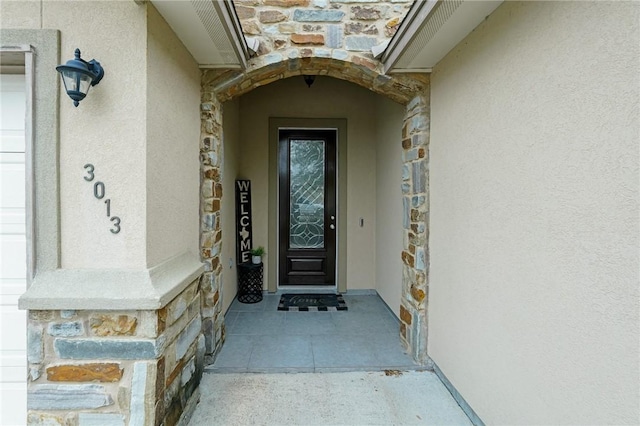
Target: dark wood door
{"points": [[307, 207]]}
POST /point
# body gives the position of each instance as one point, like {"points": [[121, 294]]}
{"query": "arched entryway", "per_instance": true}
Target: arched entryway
{"points": [[412, 91]]}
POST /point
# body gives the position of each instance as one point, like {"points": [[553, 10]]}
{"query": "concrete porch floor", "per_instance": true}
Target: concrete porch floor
{"points": [[350, 368], [261, 339]]}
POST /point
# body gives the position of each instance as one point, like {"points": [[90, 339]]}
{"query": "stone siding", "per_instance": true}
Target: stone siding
{"points": [[335, 28], [223, 85], [116, 368], [211, 232], [415, 256]]}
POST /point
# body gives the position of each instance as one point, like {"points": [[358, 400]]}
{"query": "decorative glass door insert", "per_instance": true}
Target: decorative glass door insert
{"points": [[307, 191]]}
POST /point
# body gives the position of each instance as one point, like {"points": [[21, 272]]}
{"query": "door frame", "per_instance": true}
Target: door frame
{"points": [[339, 124]]}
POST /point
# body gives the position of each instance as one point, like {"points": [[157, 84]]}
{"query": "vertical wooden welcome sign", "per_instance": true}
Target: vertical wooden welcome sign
{"points": [[244, 234]]}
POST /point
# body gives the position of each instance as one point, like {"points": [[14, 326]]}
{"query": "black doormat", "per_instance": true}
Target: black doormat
{"points": [[312, 302]]}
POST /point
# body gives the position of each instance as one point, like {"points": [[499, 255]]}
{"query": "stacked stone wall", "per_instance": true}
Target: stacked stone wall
{"points": [[415, 255], [340, 29], [210, 229], [116, 367]]}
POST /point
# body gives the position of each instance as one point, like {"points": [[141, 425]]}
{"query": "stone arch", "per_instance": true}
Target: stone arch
{"points": [[228, 84], [411, 90]]}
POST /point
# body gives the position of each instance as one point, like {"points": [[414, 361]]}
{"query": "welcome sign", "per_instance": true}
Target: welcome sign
{"points": [[244, 234]]}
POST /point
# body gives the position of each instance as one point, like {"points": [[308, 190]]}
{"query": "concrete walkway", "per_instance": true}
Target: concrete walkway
{"points": [[350, 398]]}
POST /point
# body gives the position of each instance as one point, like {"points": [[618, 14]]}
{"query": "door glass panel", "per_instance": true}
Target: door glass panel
{"points": [[306, 171]]}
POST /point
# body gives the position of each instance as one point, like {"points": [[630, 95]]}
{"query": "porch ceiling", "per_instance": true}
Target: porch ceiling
{"points": [[431, 29], [211, 31]]}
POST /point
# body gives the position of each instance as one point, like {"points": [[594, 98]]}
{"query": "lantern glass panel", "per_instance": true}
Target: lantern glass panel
{"points": [[76, 81]]}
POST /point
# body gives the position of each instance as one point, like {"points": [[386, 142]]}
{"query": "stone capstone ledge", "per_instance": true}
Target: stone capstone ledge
{"points": [[112, 289]]}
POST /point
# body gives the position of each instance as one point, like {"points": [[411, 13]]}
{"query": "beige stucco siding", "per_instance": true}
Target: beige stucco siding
{"points": [[389, 230], [21, 14], [173, 144], [231, 153], [107, 130], [533, 304], [139, 128]]}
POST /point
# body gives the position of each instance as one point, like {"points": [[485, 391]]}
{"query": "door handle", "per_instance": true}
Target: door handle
{"points": [[332, 226]]}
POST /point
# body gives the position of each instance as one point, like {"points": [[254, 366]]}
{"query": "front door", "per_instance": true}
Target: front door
{"points": [[307, 207]]}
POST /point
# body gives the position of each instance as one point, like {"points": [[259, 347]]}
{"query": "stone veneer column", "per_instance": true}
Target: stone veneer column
{"points": [[116, 368], [211, 232], [415, 256]]}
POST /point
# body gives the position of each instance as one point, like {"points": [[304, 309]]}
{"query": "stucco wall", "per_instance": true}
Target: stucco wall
{"points": [[107, 130], [389, 202], [173, 144], [326, 98], [533, 310], [231, 125], [150, 172], [21, 14], [122, 131]]}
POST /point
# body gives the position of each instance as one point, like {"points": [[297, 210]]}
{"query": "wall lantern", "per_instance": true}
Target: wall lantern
{"points": [[79, 75]]}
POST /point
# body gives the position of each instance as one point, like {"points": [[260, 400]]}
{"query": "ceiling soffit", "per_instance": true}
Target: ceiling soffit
{"points": [[431, 29], [210, 30]]}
